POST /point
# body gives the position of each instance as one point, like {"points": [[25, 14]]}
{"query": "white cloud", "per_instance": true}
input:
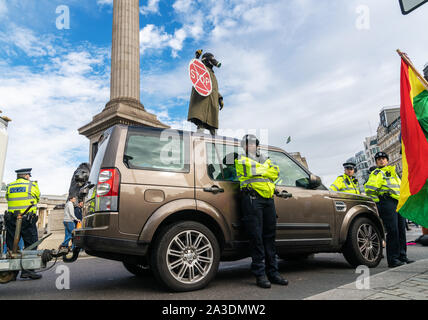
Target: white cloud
{"points": [[46, 109], [182, 6], [151, 7], [105, 2], [152, 37], [16, 37], [3, 8]]}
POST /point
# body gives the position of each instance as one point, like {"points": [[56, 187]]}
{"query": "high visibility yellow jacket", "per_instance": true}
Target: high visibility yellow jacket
{"points": [[383, 181], [20, 194], [259, 176], [347, 184]]}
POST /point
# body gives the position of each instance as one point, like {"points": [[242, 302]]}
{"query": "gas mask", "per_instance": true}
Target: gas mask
{"points": [[209, 61]]}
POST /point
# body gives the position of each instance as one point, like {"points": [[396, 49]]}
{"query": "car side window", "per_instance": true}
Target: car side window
{"points": [[221, 161], [163, 150], [291, 174]]}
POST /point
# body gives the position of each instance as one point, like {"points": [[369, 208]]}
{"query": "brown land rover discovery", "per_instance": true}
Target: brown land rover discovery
{"points": [[166, 202]]}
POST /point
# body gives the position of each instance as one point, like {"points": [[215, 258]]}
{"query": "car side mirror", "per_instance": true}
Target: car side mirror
{"points": [[314, 182], [408, 6]]}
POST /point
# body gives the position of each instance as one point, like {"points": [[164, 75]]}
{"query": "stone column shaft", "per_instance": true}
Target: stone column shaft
{"points": [[125, 59]]}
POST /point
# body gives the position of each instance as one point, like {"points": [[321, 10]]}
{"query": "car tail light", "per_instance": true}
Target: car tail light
{"points": [[108, 190]]}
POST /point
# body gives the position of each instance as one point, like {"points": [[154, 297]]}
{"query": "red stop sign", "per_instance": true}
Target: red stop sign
{"points": [[200, 77]]}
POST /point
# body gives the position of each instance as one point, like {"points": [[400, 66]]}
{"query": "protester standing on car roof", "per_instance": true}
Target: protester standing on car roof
{"points": [[256, 176], [203, 111], [383, 187], [347, 182], [20, 194]]}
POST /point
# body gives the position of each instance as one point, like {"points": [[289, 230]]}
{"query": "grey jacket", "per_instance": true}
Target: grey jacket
{"points": [[69, 212]]}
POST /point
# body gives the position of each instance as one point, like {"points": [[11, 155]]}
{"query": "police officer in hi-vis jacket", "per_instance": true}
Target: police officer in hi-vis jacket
{"points": [[256, 176], [20, 194]]}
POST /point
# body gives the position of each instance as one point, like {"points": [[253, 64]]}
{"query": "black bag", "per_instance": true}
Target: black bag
{"points": [[423, 240]]}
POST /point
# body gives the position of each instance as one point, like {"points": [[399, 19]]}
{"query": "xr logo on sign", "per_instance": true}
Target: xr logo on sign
{"points": [[200, 77]]}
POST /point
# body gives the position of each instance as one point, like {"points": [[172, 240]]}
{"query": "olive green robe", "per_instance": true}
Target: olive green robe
{"points": [[203, 111]]}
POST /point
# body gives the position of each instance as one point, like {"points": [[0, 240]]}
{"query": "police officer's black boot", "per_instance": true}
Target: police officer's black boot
{"points": [[263, 282], [277, 279], [25, 274]]}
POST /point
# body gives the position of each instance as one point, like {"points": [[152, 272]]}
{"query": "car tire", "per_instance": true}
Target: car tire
{"points": [[139, 270], [185, 256], [363, 245]]}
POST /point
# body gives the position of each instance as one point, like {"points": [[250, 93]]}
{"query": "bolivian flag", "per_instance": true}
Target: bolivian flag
{"points": [[413, 203]]}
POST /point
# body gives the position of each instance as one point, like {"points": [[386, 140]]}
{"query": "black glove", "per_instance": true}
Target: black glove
{"points": [[220, 102]]}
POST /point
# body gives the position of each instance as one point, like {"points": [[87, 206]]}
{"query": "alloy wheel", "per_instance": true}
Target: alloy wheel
{"points": [[368, 242], [189, 256]]}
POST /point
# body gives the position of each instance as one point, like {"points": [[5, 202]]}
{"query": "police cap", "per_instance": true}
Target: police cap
{"points": [[24, 171], [351, 165], [381, 155]]}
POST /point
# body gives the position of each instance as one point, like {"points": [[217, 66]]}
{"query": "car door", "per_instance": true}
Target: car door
{"points": [[216, 184], [305, 217]]}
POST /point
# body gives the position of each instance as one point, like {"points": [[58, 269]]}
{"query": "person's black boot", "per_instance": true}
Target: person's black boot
{"points": [[263, 282], [277, 279], [396, 264], [407, 260]]}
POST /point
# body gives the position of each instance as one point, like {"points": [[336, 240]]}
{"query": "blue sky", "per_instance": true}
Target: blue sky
{"points": [[319, 71]]}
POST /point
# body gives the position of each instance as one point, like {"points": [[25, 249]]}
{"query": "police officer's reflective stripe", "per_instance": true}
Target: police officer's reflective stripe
{"points": [[333, 185], [16, 183], [255, 180], [17, 208], [244, 166], [253, 168], [393, 186], [371, 188], [347, 188], [22, 198]]}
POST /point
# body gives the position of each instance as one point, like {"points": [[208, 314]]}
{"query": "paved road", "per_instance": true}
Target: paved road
{"points": [[93, 278]]}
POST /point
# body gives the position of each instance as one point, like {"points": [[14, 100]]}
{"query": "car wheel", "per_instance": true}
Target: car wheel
{"points": [[139, 270], [185, 256], [364, 244]]}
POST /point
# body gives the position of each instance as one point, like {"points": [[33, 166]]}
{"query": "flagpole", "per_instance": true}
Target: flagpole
{"points": [[410, 64]]}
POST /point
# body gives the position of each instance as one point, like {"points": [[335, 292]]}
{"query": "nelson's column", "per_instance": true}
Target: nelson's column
{"points": [[124, 106]]}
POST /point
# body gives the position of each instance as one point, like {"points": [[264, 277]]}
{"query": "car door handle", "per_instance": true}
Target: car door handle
{"points": [[284, 194], [214, 189]]}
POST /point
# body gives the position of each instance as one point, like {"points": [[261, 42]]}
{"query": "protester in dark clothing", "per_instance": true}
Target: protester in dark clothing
{"points": [[78, 210]]}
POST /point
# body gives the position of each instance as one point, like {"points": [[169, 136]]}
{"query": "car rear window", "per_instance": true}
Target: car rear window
{"points": [[96, 164], [164, 150]]}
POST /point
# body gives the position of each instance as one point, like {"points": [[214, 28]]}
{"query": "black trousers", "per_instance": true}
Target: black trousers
{"points": [[259, 220], [395, 226], [28, 232]]}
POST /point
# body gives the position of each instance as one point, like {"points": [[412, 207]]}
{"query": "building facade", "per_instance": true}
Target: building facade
{"points": [[298, 157], [388, 136], [370, 149], [362, 173]]}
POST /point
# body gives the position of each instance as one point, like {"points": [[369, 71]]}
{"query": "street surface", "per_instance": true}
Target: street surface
{"points": [[94, 278]]}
